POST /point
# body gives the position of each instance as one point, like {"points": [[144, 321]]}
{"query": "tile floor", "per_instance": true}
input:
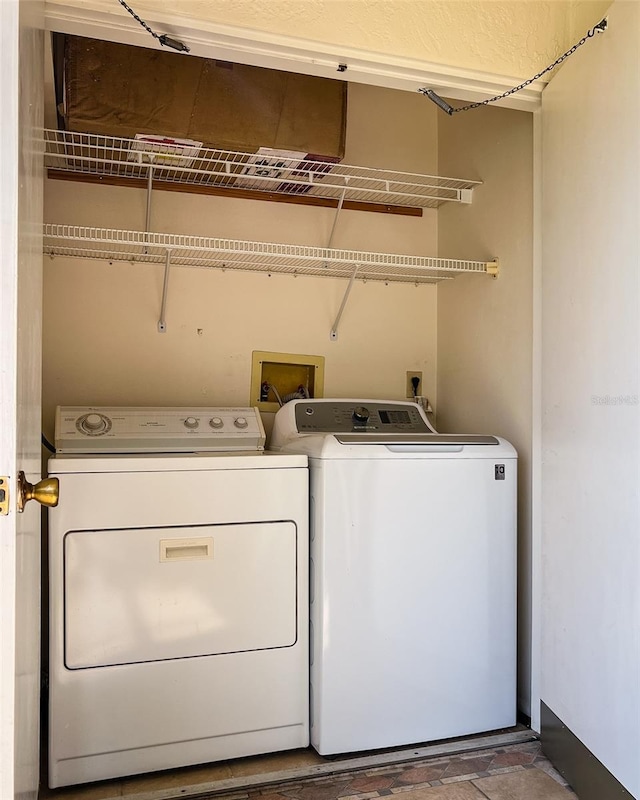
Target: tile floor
{"points": [[513, 772], [516, 772]]}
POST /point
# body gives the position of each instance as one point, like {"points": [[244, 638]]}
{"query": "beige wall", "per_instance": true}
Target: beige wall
{"points": [[101, 345], [485, 327]]}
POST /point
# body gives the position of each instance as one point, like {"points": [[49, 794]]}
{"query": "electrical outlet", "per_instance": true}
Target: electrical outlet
{"points": [[409, 392]]}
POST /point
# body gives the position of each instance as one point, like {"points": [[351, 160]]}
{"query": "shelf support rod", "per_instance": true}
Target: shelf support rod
{"points": [[335, 219], [149, 188], [162, 324], [334, 330]]}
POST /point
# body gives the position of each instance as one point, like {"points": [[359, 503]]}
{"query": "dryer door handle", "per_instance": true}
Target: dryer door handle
{"points": [[186, 549]]}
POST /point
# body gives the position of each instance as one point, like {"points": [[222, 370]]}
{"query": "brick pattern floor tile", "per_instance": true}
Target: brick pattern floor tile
{"points": [[458, 776]]}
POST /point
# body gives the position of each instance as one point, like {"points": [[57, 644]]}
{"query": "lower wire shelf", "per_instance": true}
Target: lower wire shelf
{"points": [[210, 253]]}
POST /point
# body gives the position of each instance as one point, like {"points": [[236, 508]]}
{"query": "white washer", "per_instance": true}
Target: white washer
{"points": [[413, 574], [178, 592]]}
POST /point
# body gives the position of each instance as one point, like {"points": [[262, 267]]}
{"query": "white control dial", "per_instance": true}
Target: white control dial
{"points": [[216, 422], [93, 424], [240, 422], [191, 422]]}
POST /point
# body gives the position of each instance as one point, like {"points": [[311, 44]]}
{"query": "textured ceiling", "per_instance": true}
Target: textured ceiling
{"points": [[503, 38]]}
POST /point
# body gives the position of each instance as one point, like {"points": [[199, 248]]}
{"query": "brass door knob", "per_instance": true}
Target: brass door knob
{"points": [[46, 491]]}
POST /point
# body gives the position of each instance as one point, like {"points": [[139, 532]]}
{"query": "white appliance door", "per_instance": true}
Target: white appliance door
{"points": [[149, 594], [589, 553], [413, 600], [21, 89]]}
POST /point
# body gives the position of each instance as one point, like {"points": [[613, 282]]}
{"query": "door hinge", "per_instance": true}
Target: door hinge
{"points": [[4, 496]]}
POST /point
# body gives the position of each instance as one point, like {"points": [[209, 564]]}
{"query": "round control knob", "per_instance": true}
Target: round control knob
{"points": [[240, 422], [361, 414], [216, 422], [94, 422], [191, 422]]}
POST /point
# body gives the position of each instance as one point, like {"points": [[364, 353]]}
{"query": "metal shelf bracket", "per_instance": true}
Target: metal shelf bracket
{"points": [[149, 192], [334, 329], [162, 324], [335, 219]]}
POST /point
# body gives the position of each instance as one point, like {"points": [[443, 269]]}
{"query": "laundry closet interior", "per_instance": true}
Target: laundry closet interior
{"points": [[469, 335]]}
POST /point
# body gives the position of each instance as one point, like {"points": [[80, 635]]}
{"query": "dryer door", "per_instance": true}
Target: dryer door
{"points": [[136, 595]]}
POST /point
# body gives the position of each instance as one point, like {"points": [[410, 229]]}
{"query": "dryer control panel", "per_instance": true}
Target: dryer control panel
{"points": [[81, 429]]}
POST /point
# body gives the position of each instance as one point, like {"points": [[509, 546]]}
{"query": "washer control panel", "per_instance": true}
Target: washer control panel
{"points": [[82, 429], [347, 416]]}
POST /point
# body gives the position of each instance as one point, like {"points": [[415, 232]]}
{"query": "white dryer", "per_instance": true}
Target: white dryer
{"points": [[413, 574], [178, 578]]}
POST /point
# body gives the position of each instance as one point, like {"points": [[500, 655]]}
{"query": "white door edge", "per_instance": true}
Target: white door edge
{"points": [[8, 300]]}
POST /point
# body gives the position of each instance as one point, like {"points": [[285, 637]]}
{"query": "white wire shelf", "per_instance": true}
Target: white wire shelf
{"points": [[107, 156], [208, 253]]}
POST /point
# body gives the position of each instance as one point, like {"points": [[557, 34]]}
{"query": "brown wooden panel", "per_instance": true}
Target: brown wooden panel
{"points": [[313, 117], [119, 90], [237, 106]]}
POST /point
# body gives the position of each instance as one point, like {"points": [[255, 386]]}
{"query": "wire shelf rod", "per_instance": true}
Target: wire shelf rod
{"points": [[255, 267]]}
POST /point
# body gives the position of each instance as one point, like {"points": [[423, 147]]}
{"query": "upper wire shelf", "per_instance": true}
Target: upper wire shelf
{"points": [[197, 251], [92, 154]]}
